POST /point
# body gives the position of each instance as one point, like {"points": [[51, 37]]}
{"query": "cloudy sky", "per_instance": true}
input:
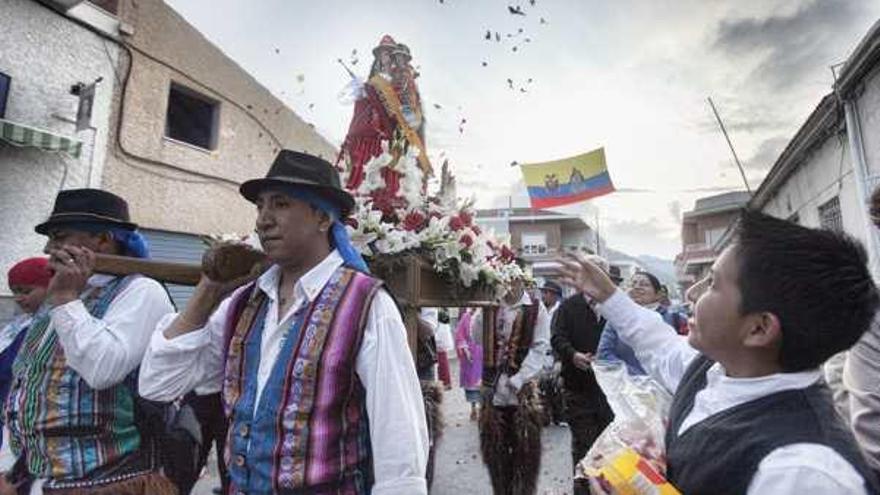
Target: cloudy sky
{"points": [[629, 75]]}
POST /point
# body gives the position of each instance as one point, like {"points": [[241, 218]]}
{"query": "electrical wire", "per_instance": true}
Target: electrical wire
{"points": [[118, 141]]}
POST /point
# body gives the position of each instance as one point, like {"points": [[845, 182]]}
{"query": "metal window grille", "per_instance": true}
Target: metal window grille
{"points": [[829, 215], [534, 243]]}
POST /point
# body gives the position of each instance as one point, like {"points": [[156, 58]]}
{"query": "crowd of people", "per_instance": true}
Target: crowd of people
{"points": [[302, 379]]}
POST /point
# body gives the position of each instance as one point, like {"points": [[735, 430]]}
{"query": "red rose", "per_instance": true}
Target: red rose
{"points": [[414, 221], [467, 240], [476, 229], [466, 217], [383, 202], [456, 224], [507, 254]]}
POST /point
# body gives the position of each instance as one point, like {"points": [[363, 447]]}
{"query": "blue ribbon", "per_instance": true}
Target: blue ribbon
{"points": [[338, 233], [132, 242]]}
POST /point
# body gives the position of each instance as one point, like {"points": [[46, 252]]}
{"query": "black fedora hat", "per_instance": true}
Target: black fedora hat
{"points": [[302, 169], [552, 286], [92, 206]]}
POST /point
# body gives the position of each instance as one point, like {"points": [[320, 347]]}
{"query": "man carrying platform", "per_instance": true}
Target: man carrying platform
{"points": [[318, 381], [71, 406]]}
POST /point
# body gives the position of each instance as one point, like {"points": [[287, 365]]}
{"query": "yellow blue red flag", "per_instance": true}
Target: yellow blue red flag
{"points": [[567, 181]]}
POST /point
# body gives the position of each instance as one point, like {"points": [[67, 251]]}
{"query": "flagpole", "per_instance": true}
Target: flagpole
{"points": [[724, 131]]}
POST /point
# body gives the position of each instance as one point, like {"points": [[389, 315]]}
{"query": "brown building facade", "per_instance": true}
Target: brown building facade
{"points": [[702, 229]]}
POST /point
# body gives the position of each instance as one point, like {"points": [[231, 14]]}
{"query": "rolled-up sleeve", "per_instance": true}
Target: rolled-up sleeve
{"points": [[398, 428], [173, 367]]}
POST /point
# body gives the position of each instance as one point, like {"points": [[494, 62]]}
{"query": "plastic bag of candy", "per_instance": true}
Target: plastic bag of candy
{"points": [[629, 456]]}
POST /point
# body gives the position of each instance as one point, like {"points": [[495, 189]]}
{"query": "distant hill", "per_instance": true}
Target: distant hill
{"points": [[662, 268]]}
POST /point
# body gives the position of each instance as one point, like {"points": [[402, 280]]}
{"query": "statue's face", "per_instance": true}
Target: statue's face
{"points": [[385, 61]]}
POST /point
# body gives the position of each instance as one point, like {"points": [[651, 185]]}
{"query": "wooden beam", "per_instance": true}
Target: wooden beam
{"points": [[163, 271]]}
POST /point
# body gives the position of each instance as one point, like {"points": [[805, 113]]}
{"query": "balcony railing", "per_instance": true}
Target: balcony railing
{"points": [[695, 247]]}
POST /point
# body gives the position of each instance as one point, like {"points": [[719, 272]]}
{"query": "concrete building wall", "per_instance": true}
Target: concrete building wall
{"points": [[175, 186], [826, 173], [868, 103], [716, 221], [578, 238], [45, 54], [689, 233]]}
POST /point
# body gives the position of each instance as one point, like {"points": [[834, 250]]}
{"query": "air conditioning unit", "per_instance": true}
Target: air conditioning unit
{"points": [[62, 5]]}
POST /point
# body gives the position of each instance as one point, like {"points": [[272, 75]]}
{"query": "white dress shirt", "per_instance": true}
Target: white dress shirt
{"points": [[794, 469], [552, 309], [104, 351], [398, 431]]}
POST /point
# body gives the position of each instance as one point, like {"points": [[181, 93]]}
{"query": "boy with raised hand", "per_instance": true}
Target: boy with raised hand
{"points": [[751, 413]]}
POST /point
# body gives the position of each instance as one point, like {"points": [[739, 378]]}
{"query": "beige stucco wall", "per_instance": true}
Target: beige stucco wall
{"points": [[197, 193]]}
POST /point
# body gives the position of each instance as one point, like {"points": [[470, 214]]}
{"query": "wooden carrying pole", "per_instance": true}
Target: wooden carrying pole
{"points": [[173, 273]]}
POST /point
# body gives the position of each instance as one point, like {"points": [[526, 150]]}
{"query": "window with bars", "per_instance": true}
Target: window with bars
{"points": [[829, 215], [534, 243]]}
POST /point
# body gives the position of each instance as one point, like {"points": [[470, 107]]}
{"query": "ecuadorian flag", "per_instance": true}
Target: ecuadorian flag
{"points": [[567, 181]]}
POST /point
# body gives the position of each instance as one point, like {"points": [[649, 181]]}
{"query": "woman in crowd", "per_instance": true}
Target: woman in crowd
{"points": [[469, 345], [28, 280], [444, 345], [646, 290]]}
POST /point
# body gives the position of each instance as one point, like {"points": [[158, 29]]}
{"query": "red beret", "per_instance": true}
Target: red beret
{"points": [[31, 271]]}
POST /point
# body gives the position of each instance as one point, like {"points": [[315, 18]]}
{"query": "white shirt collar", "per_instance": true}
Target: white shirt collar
{"points": [[309, 285], [723, 392], [762, 385], [100, 280]]}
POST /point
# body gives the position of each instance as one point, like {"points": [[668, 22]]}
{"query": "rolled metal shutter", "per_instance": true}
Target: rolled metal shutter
{"points": [[178, 248]]}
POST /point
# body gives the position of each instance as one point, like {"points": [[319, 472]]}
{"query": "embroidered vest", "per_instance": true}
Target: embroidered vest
{"points": [[309, 433], [64, 428]]}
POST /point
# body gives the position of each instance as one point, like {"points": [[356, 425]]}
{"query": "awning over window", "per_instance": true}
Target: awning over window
{"points": [[27, 136]]}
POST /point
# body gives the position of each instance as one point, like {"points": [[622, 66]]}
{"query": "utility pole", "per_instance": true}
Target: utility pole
{"points": [[735, 158]]}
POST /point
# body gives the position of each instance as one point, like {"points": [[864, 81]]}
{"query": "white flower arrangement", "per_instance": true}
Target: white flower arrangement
{"points": [[444, 230]]}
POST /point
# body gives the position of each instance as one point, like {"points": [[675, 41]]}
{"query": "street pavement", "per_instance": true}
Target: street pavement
{"points": [[459, 469]]}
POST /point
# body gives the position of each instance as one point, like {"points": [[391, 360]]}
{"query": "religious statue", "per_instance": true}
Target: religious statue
{"points": [[388, 110]]}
